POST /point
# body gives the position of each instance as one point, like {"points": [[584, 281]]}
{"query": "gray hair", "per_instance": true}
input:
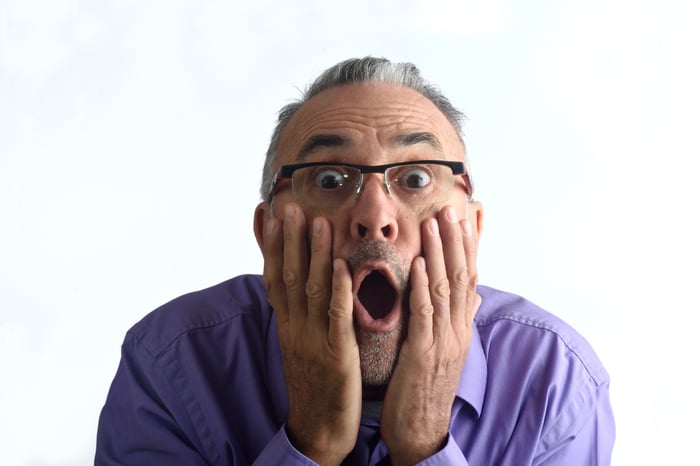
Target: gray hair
{"points": [[359, 70]]}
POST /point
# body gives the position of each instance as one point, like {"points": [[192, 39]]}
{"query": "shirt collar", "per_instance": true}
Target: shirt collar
{"points": [[472, 383]]}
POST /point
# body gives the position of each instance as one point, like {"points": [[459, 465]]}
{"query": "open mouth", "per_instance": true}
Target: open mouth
{"points": [[377, 295]]}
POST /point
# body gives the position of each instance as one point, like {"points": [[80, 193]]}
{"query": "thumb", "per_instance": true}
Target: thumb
{"points": [[340, 326]]}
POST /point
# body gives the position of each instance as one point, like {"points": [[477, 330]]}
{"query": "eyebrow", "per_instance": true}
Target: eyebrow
{"points": [[318, 141], [321, 140], [411, 139]]}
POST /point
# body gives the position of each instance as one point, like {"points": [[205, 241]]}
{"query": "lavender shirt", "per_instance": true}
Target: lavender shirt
{"points": [[200, 382]]}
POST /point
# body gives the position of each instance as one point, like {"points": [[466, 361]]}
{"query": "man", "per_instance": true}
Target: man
{"points": [[367, 339]]}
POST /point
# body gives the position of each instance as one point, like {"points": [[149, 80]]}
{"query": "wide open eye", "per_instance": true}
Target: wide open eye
{"points": [[415, 178], [329, 179]]}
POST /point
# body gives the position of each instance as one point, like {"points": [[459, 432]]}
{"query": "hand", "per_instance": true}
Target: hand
{"points": [[313, 306], [418, 402]]}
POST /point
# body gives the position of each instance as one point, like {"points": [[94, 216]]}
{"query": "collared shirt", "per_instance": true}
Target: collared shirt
{"points": [[200, 382]]}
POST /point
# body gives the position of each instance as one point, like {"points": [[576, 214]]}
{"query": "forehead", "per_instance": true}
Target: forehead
{"points": [[369, 119]]}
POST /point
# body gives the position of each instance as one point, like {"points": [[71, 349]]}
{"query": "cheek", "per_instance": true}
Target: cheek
{"points": [[412, 238], [419, 214]]}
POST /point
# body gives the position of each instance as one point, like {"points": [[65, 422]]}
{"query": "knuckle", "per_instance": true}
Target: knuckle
{"points": [[336, 312], [338, 287], [290, 278], [441, 289], [425, 309], [460, 279], [315, 290], [317, 245]]}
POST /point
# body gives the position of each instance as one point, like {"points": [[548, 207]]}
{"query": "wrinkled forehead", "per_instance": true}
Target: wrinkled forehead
{"points": [[367, 117]]}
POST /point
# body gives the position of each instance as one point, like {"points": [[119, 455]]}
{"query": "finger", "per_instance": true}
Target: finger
{"points": [[454, 247], [341, 332], [420, 322], [296, 260], [470, 251], [476, 302], [318, 284], [272, 269], [437, 276]]}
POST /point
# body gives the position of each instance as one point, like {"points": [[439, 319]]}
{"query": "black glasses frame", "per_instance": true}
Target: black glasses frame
{"points": [[285, 172]]}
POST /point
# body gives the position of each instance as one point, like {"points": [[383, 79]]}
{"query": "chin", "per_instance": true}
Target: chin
{"points": [[379, 353]]}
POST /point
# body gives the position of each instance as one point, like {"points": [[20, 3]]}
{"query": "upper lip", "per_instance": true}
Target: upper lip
{"points": [[367, 268]]}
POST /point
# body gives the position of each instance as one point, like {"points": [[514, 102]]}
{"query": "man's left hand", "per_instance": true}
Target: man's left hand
{"points": [[418, 402]]}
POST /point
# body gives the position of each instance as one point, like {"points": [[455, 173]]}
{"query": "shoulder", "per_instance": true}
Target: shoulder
{"points": [[241, 298], [508, 323]]}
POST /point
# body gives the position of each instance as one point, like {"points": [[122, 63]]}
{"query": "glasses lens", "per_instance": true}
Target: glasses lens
{"points": [[325, 185], [421, 184]]}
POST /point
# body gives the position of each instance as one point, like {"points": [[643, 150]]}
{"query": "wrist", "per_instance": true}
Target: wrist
{"points": [[320, 449], [413, 453]]}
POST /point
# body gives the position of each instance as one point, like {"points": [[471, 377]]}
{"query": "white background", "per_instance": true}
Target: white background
{"points": [[132, 135]]}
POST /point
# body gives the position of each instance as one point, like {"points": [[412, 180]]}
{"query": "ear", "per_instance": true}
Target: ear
{"points": [[262, 214]]}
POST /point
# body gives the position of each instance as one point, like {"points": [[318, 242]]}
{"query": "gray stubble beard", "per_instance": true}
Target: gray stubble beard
{"points": [[379, 352]]}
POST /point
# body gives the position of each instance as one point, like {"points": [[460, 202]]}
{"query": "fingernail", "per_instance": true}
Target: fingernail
{"points": [[337, 266], [450, 215], [288, 212], [317, 226], [433, 227], [271, 225]]}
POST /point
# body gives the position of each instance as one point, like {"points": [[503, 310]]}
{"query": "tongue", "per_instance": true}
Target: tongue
{"points": [[377, 295]]}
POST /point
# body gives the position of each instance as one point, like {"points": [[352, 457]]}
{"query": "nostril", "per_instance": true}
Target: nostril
{"points": [[376, 233]]}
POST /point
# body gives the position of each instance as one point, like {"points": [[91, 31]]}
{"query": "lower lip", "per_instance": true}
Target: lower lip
{"points": [[370, 324]]}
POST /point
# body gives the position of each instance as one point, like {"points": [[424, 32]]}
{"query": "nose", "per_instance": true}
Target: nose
{"points": [[374, 213]]}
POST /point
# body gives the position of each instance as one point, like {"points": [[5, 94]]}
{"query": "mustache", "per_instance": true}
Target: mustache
{"points": [[380, 251]]}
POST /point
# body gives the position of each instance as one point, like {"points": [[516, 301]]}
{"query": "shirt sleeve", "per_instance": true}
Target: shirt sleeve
{"points": [[280, 451], [584, 435], [451, 455], [143, 420]]}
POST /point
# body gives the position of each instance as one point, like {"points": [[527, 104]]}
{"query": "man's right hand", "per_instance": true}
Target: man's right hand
{"points": [[312, 300]]}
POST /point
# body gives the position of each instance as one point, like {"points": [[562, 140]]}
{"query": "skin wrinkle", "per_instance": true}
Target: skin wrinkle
{"points": [[355, 124], [318, 142]]}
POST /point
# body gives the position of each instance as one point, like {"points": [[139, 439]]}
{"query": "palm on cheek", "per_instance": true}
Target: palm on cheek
{"points": [[313, 306], [418, 402]]}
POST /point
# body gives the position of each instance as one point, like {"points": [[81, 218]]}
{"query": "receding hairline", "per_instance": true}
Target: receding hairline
{"points": [[329, 138], [358, 71]]}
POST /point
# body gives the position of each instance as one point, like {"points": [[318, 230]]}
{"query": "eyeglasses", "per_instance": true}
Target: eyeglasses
{"points": [[415, 183]]}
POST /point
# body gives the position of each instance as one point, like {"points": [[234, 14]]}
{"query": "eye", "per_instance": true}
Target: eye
{"points": [[330, 179], [415, 178]]}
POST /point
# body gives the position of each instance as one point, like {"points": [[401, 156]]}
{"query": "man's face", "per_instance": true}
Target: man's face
{"points": [[376, 233]]}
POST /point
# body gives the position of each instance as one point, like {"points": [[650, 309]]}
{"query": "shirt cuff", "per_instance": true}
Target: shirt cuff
{"points": [[280, 451], [450, 455]]}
